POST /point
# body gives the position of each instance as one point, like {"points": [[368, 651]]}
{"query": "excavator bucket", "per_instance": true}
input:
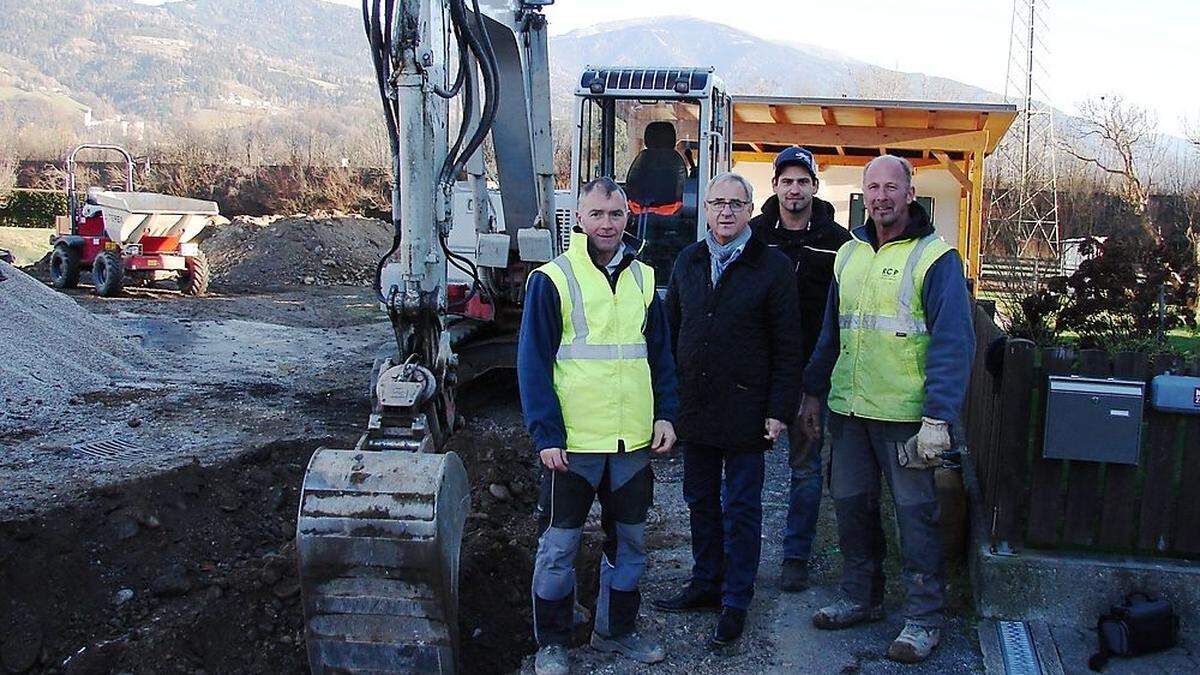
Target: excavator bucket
{"points": [[378, 536]]}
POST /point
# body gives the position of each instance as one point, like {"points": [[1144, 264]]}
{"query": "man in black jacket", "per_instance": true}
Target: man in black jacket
{"points": [[801, 226], [732, 308]]}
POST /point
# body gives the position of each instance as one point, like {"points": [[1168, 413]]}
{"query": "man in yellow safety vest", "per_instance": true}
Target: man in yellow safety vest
{"points": [[894, 358], [598, 394]]}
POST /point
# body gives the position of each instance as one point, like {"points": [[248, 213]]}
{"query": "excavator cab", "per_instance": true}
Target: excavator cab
{"points": [[662, 134]]}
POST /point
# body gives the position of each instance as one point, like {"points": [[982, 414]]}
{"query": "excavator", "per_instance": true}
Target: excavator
{"points": [[380, 524]]}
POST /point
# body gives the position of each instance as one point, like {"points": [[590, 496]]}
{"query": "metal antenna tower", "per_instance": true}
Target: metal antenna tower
{"points": [[1023, 214]]}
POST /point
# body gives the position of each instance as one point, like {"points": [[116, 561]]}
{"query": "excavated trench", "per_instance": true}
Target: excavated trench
{"points": [[194, 570]]}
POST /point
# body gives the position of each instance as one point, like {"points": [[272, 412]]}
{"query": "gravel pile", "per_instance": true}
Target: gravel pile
{"points": [[54, 350], [301, 250]]}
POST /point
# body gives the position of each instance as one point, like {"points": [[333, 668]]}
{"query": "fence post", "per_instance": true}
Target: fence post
{"points": [[1155, 522], [1120, 483], [1187, 525], [1012, 452], [1083, 478]]}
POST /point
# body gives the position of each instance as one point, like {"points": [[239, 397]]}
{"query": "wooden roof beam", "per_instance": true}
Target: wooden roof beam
{"points": [[828, 117], [952, 166], [879, 117], [899, 138], [778, 116]]}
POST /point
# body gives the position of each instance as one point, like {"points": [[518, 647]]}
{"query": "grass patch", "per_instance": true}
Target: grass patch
{"points": [[27, 244]]}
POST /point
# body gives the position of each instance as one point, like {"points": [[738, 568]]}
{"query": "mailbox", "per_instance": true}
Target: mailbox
{"points": [[1175, 394], [1094, 420]]}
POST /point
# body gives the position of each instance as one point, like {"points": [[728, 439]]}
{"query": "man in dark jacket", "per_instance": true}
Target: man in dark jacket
{"points": [[732, 308], [800, 225]]}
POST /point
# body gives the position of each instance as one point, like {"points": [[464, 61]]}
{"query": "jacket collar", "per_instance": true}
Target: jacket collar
{"points": [[580, 242], [751, 254]]}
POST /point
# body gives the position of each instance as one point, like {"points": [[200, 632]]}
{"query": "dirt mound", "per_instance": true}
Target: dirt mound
{"points": [[272, 252], [195, 569], [54, 350], [191, 569]]}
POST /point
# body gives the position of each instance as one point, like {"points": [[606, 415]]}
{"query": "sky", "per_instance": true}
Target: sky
{"points": [[1145, 50]]}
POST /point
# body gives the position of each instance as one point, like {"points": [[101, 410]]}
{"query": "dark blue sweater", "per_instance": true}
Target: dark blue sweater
{"points": [[951, 337], [541, 336]]}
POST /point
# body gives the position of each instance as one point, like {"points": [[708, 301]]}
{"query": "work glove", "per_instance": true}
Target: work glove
{"points": [[925, 450]]}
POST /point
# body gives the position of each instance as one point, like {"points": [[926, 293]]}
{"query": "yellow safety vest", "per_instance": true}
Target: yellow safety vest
{"points": [[880, 371], [601, 375]]}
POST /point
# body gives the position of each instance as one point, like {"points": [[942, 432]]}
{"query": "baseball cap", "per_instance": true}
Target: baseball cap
{"points": [[795, 155]]}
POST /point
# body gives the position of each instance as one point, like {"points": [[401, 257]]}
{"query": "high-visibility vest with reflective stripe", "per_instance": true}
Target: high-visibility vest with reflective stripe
{"points": [[880, 371], [601, 374]]}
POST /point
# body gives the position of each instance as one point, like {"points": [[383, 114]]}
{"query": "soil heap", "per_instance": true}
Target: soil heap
{"points": [[272, 252], [54, 349]]}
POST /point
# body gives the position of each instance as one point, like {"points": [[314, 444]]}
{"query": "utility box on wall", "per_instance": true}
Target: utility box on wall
{"points": [[1094, 420], [1176, 394]]}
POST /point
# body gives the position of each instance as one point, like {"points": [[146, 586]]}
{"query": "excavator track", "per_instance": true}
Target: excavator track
{"points": [[378, 537]]}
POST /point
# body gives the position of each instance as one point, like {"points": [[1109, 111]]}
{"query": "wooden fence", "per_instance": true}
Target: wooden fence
{"points": [[1030, 501]]}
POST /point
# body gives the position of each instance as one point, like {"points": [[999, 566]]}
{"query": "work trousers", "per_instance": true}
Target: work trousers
{"points": [[804, 490], [624, 483], [726, 519], [861, 450]]}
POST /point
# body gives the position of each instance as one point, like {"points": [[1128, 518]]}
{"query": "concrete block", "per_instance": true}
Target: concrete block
{"points": [[1068, 587]]}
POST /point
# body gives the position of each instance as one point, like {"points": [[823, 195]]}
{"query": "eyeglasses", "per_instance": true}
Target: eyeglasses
{"points": [[719, 205]]}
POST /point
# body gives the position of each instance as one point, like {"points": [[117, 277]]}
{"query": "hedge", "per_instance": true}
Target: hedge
{"points": [[27, 208]]}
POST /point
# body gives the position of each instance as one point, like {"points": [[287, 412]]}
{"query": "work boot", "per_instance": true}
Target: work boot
{"points": [[793, 576], [691, 599], [552, 660], [914, 644], [729, 626], [634, 645], [845, 613]]}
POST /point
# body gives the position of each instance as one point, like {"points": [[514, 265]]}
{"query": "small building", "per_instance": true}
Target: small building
{"points": [[946, 143]]}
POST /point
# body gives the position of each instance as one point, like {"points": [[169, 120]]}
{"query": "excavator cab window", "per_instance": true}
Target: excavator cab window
{"points": [[647, 147]]}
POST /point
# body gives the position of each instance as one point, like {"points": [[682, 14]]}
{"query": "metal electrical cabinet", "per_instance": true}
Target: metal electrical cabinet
{"points": [[1094, 420]]}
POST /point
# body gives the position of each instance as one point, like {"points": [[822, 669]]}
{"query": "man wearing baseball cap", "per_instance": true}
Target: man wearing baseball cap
{"points": [[801, 226]]}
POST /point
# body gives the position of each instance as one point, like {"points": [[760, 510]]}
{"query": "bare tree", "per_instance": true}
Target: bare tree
{"points": [[8, 158], [1121, 140]]}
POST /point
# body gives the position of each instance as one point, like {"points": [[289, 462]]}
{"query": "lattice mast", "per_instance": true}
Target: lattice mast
{"points": [[1023, 215]]}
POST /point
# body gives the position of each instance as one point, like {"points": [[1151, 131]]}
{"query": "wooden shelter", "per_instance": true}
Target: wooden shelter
{"points": [[935, 136]]}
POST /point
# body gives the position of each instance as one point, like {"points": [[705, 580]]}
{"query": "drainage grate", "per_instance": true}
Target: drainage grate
{"points": [[1020, 658], [109, 449]]}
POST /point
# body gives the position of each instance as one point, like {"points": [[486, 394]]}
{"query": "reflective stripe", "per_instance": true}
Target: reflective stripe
{"points": [[637, 275], [845, 261], [906, 282], [891, 324], [578, 318], [582, 352]]}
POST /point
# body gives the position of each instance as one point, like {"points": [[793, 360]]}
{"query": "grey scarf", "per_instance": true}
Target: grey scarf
{"points": [[721, 255]]}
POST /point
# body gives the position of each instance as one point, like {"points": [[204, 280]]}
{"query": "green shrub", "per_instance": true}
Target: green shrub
{"points": [[26, 208]]}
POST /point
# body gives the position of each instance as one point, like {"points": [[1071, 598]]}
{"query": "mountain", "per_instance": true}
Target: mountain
{"points": [[233, 63], [748, 64]]}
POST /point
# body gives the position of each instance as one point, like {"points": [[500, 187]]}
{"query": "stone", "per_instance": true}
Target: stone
{"points": [[171, 583], [499, 492], [123, 527], [286, 590], [123, 596]]}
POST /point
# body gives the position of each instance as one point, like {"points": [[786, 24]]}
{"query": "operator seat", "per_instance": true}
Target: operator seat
{"points": [[655, 180]]}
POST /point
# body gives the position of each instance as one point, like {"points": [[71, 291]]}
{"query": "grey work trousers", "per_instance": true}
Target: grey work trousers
{"points": [[861, 450]]}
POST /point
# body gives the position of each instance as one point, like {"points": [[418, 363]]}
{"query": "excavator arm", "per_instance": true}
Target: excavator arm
{"points": [[380, 525]]}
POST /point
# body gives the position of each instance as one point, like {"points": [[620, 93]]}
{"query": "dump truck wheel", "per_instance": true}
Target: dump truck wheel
{"points": [[107, 274], [194, 280], [64, 266]]}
